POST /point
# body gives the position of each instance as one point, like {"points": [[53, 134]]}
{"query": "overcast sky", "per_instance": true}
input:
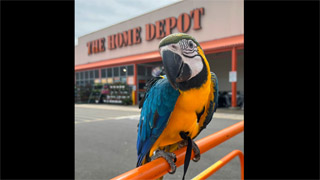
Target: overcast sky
{"points": [[93, 15]]}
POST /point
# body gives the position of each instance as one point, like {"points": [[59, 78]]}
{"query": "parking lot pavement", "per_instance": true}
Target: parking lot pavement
{"points": [[105, 143]]}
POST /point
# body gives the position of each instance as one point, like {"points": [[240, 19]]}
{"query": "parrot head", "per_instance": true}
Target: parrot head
{"points": [[184, 62]]}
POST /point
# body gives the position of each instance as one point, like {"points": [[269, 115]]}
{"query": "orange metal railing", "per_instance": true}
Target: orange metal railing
{"points": [[160, 167], [216, 166]]}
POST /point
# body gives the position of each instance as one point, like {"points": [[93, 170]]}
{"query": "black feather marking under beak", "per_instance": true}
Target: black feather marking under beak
{"points": [[184, 73], [176, 70]]}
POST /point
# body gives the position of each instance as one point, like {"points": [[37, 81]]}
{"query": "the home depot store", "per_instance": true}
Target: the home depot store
{"points": [[128, 51]]}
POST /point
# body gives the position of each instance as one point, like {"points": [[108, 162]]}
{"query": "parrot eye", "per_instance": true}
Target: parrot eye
{"points": [[191, 44]]}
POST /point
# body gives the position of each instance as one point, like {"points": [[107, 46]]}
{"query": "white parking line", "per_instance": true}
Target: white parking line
{"points": [[91, 116], [137, 117], [109, 107], [131, 117]]}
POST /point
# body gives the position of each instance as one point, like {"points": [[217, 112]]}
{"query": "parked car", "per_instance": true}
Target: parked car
{"points": [[224, 99]]}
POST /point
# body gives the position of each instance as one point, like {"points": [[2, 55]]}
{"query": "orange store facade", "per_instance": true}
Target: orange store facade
{"points": [[128, 51]]}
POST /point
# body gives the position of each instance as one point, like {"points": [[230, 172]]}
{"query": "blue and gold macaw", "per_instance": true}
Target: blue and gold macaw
{"points": [[178, 105]]}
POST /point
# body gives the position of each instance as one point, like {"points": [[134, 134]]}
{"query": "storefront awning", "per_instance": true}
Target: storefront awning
{"points": [[224, 44], [140, 58]]}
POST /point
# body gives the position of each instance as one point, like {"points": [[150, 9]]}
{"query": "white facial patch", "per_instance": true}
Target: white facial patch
{"points": [[195, 64]]}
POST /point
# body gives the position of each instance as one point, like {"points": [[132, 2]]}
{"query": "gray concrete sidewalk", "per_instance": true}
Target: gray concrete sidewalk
{"points": [[230, 111]]}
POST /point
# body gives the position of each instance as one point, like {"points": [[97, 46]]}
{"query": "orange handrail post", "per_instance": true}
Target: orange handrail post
{"points": [[160, 167], [216, 166]]}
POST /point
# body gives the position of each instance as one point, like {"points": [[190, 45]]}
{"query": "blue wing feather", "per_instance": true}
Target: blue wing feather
{"points": [[160, 98], [216, 89]]}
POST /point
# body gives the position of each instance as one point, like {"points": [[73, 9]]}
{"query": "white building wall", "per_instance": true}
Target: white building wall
{"points": [[221, 19]]}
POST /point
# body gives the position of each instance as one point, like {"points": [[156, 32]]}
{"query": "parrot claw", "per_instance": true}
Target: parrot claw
{"points": [[168, 156], [196, 151]]}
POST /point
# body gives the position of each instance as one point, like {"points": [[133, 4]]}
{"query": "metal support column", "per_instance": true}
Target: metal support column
{"points": [[135, 70], [234, 84]]}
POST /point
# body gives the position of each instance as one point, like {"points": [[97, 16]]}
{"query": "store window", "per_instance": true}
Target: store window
{"points": [[141, 70], [130, 70], [96, 73], [103, 73], [86, 75], [109, 72], [123, 71], [115, 71], [91, 74], [81, 75], [77, 76], [149, 70]]}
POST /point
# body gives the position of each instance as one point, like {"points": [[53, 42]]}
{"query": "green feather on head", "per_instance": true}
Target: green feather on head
{"points": [[175, 38]]}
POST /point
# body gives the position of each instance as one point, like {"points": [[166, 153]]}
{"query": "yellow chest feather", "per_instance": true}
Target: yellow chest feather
{"points": [[184, 117]]}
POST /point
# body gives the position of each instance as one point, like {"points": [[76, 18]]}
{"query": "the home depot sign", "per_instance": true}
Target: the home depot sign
{"points": [[159, 30]]}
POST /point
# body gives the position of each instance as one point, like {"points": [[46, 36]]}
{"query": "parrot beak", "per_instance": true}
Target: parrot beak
{"points": [[176, 70]]}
